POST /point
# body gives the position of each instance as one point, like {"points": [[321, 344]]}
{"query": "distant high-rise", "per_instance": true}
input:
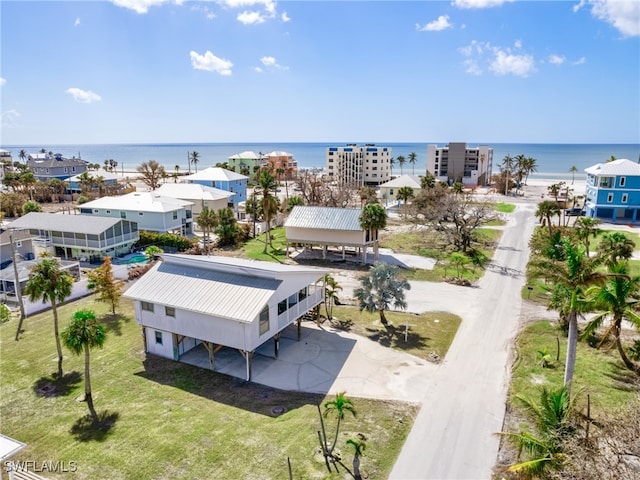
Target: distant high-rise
{"points": [[366, 165], [458, 163]]}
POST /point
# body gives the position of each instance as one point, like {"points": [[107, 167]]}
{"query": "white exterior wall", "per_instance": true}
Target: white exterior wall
{"points": [[162, 350], [153, 221], [328, 237], [359, 165], [484, 167]]}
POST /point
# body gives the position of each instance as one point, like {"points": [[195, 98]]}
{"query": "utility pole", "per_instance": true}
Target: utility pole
{"points": [[16, 283]]}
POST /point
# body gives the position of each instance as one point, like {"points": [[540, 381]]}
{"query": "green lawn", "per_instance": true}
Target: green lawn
{"points": [[598, 372], [169, 420], [428, 333], [254, 248], [503, 207]]}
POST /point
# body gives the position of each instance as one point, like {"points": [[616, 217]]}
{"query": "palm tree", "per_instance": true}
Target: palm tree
{"points": [[546, 210], [401, 161], [341, 406], [573, 169], [207, 221], [412, 160], [266, 184], [585, 228], [405, 194], [392, 163], [372, 219], [428, 181], [49, 283], [574, 275], [616, 246], [507, 166], [23, 156], [380, 288], [195, 158], [612, 158], [359, 447], [616, 299], [530, 167], [84, 333], [292, 202], [331, 288]]}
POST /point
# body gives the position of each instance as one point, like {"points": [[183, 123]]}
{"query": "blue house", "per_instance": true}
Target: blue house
{"points": [[613, 191], [223, 179]]}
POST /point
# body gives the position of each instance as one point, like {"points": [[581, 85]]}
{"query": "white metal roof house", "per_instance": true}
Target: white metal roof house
{"points": [[389, 190], [327, 226], [224, 180], [185, 301], [201, 195], [75, 236], [152, 211]]}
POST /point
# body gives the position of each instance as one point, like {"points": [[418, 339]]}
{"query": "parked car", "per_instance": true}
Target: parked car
{"points": [[574, 212]]}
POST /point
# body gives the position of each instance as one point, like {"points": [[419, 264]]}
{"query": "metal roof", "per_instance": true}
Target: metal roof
{"points": [[216, 174], [139, 202], [412, 181], [193, 191], [92, 225], [617, 167], [233, 288], [325, 218]]}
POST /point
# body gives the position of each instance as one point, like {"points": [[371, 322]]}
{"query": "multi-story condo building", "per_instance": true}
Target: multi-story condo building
{"points": [[458, 163], [282, 162], [356, 165]]}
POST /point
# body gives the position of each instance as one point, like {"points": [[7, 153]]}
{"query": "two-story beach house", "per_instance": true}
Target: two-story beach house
{"points": [[246, 163], [45, 166], [389, 190], [613, 191], [150, 210], [186, 301], [97, 181], [85, 238], [224, 180], [201, 196]]}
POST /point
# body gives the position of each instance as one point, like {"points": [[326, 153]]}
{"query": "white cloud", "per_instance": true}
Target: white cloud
{"points": [[478, 3], [505, 63], [441, 23], [3, 81], [623, 15], [270, 63], [77, 22], [83, 96], [250, 18], [578, 6], [284, 17], [140, 6], [210, 63], [10, 118], [501, 61], [580, 61], [556, 59], [258, 69], [208, 13]]}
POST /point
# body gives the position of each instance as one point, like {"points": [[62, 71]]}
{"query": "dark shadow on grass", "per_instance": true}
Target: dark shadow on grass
{"points": [[51, 386], [113, 323], [394, 337], [623, 378], [86, 429], [224, 389]]}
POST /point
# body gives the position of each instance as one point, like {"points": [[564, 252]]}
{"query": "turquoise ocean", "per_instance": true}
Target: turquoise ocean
{"points": [[553, 160]]}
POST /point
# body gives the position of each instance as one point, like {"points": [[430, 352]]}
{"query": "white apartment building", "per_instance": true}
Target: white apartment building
{"points": [[458, 163], [356, 165]]}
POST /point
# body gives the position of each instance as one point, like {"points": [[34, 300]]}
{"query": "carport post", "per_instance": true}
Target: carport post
{"points": [[276, 343], [299, 321]]}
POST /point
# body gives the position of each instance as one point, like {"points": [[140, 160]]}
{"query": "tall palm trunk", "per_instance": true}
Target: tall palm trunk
{"points": [[383, 318], [56, 332], [627, 363], [572, 343], [87, 385]]}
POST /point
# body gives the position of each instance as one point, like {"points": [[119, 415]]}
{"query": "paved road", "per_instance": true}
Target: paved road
{"points": [[453, 436]]}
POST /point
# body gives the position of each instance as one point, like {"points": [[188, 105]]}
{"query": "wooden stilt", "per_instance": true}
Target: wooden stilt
{"points": [[144, 338], [276, 343], [299, 322]]}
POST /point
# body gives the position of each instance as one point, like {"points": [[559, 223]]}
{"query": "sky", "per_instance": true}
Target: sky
{"points": [[178, 71]]}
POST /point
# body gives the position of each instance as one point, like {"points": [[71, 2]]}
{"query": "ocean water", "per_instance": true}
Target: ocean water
{"points": [[553, 160]]}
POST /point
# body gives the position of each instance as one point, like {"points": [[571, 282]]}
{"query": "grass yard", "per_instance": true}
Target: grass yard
{"points": [[503, 207], [167, 419], [254, 248], [428, 334], [598, 372]]}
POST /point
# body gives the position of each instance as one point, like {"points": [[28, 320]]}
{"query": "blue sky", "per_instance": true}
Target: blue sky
{"points": [[163, 71]]}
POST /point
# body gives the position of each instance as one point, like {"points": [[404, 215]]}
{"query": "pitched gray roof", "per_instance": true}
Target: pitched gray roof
{"points": [[52, 162], [91, 225], [325, 218], [621, 166], [233, 288]]}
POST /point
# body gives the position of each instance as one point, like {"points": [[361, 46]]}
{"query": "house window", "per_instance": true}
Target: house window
{"points": [[108, 212], [158, 337], [610, 197], [73, 169], [140, 214], [123, 214], [146, 306], [18, 244], [282, 307], [623, 180], [175, 215], [264, 320], [170, 311], [95, 210], [302, 294], [625, 196]]}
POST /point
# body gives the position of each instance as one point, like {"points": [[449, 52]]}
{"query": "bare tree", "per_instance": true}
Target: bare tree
{"points": [[152, 172]]}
